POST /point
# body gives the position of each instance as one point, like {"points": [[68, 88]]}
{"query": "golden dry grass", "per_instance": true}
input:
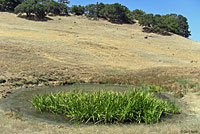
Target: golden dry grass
{"points": [[75, 43]]}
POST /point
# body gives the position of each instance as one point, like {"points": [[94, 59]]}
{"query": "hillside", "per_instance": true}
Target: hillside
{"points": [[78, 44], [68, 49]]}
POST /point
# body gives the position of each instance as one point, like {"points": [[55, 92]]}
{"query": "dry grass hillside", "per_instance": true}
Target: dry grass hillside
{"points": [[74, 48], [78, 48], [76, 43]]}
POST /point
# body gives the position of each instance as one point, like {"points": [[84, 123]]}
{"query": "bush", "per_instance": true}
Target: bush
{"points": [[78, 10], [137, 14], [31, 7], [63, 9], [177, 24], [2, 6], [26, 7], [168, 23], [106, 107], [39, 11], [9, 5], [52, 7], [56, 8], [116, 13], [146, 20], [93, 10]]}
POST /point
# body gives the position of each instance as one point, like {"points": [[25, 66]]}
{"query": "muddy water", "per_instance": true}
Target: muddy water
{"points": [[20, 100]]}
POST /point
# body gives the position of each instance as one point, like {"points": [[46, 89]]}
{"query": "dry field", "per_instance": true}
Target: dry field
{"points": [[66, 49]]}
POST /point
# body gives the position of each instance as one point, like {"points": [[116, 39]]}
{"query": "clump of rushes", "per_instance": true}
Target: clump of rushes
{"points": [[106, 107]]}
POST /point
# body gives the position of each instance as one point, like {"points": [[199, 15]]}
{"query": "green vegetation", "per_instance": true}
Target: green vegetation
{"points": [[106, 107], [115, 13], [9, 5], [138, 14], [55, 8], [154, 89], [93, 10], [186, 83], [31, 7], [17, 84], [41, 8], [78, 10], [168, 23]]}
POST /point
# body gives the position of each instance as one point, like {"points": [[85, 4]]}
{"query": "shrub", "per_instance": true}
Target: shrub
{"points": [[31, 7], [9, 5], [63, 9], [17, 84], [39, 11], [78, 10], [2, 6], [52, 7], [106, 107], [116, 13], [93, 10], [168, 23], [137, 14], [64, 1], [177, 24], [26, 7], [146, 20]]}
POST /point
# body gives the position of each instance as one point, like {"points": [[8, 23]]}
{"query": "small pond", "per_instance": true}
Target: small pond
{"points": [[20, 100]]}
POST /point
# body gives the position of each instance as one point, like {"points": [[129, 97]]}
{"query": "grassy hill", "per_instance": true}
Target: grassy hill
{"points": [[76, 42], [75, 47]]}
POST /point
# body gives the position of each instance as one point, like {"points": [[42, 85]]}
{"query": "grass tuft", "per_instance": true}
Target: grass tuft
{"points": [[106, 107]]}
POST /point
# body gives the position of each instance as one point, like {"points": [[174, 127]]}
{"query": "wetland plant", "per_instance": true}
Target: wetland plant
{"points": [[106, 107]]}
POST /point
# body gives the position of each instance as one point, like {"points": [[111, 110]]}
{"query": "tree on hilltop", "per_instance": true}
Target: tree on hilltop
{"points": [[137, 14], [55, 8], [146, 20], [78, 10], [31, 7], [168, 23], [183, 26], [116, 13], [93, 10], [64, 1], [40, 8]]}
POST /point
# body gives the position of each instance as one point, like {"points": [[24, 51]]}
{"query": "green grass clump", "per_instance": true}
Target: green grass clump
{"points": [[106, 107]]}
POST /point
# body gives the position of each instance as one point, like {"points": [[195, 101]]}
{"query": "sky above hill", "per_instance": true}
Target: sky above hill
{"points": [[188, 8]]}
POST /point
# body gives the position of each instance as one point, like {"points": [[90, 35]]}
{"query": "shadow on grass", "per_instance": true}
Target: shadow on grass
{"points": [[149, 30], [34, 18]]}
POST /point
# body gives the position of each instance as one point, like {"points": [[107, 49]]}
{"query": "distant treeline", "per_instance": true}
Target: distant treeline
{"points": [[115, 13]]}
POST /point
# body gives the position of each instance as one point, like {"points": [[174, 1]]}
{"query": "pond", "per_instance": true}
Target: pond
{"points": [[20, 100]]}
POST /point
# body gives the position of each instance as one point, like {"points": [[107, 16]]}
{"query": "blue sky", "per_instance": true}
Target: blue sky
{"points": [[188, 8]]}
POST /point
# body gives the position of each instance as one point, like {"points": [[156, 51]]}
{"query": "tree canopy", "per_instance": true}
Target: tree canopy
{"points": [[167, 23], [78, 10], [40, 8], [137, 13], [31, 6], [116, 12], [9, 5]]}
